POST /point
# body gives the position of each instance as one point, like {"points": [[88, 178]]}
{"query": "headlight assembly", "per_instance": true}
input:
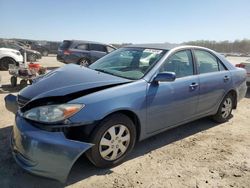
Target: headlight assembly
{"points": [[17, 53], [52, 113]]}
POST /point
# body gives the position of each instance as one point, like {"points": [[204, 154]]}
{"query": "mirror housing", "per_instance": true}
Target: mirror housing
{"points": [[165, 77]]}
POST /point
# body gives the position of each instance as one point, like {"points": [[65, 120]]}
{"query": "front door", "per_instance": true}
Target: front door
{"points": [[170, 103]]}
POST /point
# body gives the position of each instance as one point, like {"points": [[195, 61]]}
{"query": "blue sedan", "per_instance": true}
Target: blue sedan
{"points": [[131, 94]]}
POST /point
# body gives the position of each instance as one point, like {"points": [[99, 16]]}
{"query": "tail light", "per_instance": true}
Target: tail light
{"points": [[67, 52], [240, 65]]}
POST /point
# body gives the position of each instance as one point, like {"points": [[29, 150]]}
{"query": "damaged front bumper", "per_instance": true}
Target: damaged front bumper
{"points": [[48, 154]]}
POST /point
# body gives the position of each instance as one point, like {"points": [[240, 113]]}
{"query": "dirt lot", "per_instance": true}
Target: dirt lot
{"points": [[198, 154]]}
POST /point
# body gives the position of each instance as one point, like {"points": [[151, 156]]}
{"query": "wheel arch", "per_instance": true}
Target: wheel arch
{"points": [[9, 57], [132, 115]]}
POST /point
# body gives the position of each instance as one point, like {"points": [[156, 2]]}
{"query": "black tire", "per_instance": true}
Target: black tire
{"points": [[23, 83], [45, 53], [223, 115], [5, 62], [84, 62], [94, 154], [13, 81]]}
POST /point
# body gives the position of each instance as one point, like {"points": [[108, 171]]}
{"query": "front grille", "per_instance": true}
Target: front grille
{"points": [[22, 101]]}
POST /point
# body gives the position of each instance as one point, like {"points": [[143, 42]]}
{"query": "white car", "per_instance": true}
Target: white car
{"points": [[246, 65], [9, 56]]}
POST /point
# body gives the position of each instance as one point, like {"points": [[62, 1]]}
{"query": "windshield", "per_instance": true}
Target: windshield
{"points": [[131, 63]]}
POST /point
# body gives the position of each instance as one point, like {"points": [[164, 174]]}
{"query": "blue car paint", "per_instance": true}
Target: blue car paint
{"points": [[69, 79], [158, 107], [44, 153]]}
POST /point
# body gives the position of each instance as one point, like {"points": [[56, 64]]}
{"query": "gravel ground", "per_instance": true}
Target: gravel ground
{"points": [[198, 154]]}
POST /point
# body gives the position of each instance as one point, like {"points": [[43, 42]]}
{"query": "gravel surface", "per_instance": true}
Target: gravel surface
{"points": [[198, 154]]}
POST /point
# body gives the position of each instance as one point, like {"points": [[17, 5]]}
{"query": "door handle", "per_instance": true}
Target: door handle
{"points": [[193, 86], [226, 78]]}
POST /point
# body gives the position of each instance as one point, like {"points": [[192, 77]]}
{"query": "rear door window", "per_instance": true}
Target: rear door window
{"points": [[207, 62], [98, 47], [82, 46]]}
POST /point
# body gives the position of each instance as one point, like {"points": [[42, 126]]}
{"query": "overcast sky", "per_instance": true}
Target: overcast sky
{"points": [[117, 21]]}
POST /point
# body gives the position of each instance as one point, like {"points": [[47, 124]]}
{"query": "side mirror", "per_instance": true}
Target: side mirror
{"points": [[165, 77]]}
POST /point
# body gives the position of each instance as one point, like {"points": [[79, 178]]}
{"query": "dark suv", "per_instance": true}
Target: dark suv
{"points": [[82, 52]]}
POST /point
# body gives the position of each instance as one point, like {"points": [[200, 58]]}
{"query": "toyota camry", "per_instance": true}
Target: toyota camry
{"points": [[128, 95]]}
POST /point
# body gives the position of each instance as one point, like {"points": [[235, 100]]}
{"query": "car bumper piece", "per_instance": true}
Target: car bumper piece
{"points": [[47, 154]]}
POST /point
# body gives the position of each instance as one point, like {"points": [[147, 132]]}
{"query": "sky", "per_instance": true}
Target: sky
{"points": [[117, 21]]}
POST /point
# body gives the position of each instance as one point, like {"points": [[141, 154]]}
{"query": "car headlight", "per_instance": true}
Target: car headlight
{"points": [[17, 53], [52, 113]]}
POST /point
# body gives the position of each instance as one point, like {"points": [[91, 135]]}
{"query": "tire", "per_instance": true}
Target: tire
{"points": [[45, 53], [13, 81], [84, 62], [107, 150], [23, 83], [5, 62], [225, 109]]}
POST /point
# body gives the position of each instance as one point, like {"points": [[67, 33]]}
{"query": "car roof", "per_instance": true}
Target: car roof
{"points": [[162, 46], [86, 41]]}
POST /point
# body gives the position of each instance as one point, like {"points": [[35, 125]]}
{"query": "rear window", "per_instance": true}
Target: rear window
{"points": [[65, 45]]}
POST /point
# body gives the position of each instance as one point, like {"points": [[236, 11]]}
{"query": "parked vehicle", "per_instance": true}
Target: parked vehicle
{"points": [[9, 56], [246, 65], [104, 109], [82, 52], [32, 55], [46, 48]]}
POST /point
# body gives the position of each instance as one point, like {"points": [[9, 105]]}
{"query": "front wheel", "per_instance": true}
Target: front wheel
{"points": [[5, 62], [114, 138], [225, 109]]}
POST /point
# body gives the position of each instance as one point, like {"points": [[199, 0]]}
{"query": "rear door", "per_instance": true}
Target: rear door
{"points": [[214, 80], [97, 51]]}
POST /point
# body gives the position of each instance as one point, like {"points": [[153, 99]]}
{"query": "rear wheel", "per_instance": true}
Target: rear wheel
{"points": [[5, 62], [114, 139], [23, 83], [84, 62], [225, 109]]}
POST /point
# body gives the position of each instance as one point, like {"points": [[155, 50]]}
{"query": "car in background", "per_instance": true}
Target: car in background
{"points": [[246, 65], [102, 110], [9, 56], [32, 55], [46, 47], [82, 52]]}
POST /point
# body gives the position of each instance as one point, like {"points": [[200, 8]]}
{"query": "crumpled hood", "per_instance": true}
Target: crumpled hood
{"points": [[69, 79]]}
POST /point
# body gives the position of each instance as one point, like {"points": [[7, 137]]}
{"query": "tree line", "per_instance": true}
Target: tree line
{"points": [[237, 46]]}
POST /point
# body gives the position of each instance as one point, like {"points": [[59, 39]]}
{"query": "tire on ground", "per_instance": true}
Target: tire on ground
{"points": [[93, 153]]}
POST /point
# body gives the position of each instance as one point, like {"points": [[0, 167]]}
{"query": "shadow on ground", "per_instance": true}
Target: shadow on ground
{"points": [[7, 88], [13, 176]]}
